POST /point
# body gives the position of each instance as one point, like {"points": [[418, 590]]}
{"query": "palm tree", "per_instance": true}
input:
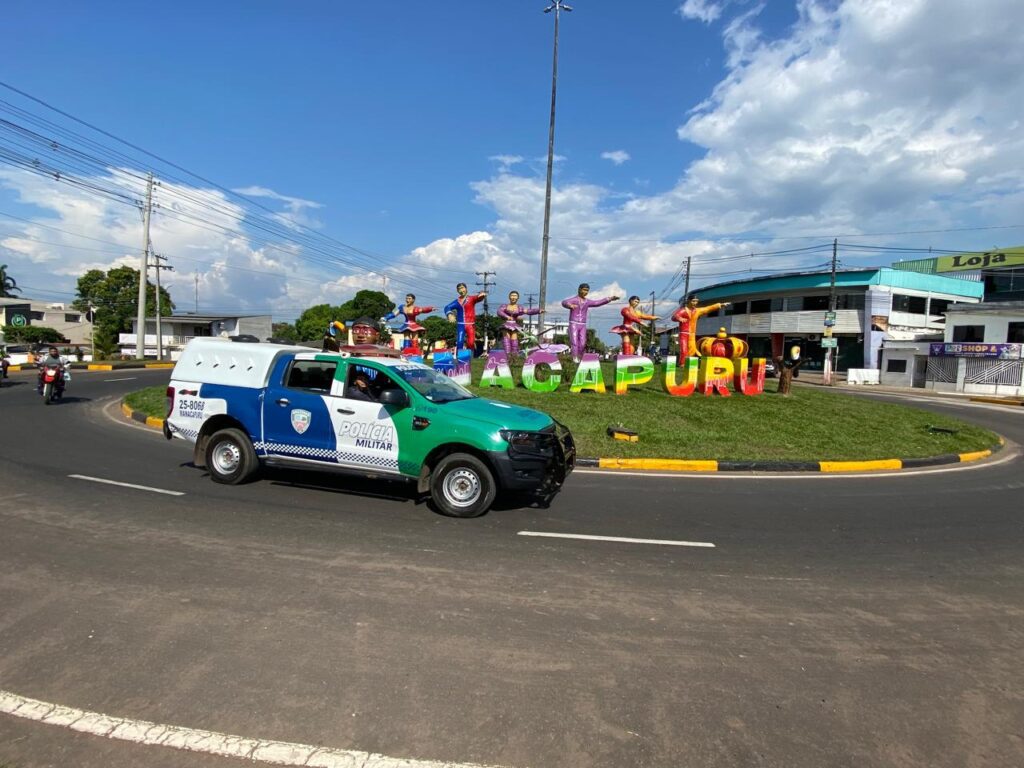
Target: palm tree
{"points": [[8, 285]]}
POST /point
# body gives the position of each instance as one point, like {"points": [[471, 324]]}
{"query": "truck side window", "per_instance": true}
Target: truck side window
{"points": [[313, 375]]}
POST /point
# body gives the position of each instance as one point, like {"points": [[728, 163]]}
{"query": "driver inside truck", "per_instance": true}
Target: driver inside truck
{"points": [[359, 387]]}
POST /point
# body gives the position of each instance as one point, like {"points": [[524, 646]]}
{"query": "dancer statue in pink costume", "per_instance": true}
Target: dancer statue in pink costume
{"points": [[511, 313], [578, 307]]}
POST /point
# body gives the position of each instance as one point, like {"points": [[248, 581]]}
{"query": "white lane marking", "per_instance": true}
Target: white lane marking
{"points": [[664, 542], [126, 485], [208, 742], [130, 378]]}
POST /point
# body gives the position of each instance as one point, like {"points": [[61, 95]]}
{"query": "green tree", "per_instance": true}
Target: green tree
{"points": [[284, 332], [32, 334], [489, 326], [8, 285], [372, 304], [438, 328], [594, 343], [115, 295], [312, 323]]}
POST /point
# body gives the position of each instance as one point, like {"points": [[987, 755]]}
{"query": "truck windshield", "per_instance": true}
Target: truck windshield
{"points": [[434, 386]]}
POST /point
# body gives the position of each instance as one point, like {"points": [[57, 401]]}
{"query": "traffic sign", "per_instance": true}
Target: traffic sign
{"points": [[829, 342]]}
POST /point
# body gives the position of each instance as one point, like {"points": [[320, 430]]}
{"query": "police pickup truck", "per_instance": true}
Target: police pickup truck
{"points": [[244, 405]]}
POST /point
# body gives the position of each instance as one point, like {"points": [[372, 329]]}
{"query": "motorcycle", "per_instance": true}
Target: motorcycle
{"points": [[51, 379]]}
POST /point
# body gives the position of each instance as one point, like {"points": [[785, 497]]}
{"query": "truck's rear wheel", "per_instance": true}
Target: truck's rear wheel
{"points": [[230, 457], [462, 486]]}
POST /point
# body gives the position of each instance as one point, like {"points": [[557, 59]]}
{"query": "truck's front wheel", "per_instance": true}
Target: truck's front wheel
{"points": [[462, 486], [230, 457]]}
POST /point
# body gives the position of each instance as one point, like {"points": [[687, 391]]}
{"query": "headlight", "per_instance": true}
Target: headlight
{"points": [[527, 442]]}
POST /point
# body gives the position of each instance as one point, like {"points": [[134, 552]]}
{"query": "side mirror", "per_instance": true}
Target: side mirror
{"points": [[394, 396]]}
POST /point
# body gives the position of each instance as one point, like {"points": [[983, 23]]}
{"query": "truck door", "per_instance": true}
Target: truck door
{"points": [[365, 433], [297, 412]]}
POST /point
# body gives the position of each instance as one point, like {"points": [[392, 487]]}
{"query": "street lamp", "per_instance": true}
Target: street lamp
{"points": [[557, 6]]}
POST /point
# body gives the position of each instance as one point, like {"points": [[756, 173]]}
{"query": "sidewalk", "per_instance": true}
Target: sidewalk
{"points": [[815, 379]]}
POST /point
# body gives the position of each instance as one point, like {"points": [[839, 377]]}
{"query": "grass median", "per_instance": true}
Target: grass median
{"points": [[810, 424]]}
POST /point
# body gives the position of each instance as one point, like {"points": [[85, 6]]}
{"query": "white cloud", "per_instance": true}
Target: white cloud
{"points": [[701, 10], [617, 156], [505, 162]]}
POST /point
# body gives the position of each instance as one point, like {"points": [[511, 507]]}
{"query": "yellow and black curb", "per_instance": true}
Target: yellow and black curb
{"points": [[142, 418], [97, 366], [694, 465], [689, 465]]}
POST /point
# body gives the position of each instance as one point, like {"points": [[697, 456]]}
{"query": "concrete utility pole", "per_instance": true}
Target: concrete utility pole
{"points": [[557, 6], [653, 302], [686, 286], [159, 330], [197, 293], [487, 287], [827, 370], [140, 338]]}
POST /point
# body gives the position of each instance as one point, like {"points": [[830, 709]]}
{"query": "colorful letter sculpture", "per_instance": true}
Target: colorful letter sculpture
{"points": [[588, 375], [685, 387], [496, 371], [454, 367], [539, 360], [632, 371]]}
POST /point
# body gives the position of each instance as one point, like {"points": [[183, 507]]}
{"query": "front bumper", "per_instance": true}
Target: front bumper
{"points": [[541, 471]]}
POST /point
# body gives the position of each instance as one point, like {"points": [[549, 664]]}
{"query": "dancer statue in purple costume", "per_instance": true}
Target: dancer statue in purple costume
{"points": [[511, 313], [578, 307]]}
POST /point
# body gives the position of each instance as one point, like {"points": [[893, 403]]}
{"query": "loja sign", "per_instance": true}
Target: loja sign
{"points": [[708, 375]]}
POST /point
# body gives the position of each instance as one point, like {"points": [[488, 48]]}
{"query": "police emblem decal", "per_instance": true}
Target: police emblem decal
{"points": [[301, 420]]}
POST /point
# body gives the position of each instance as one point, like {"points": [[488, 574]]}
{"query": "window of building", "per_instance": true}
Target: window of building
{"points": [[938, 306], [40, 315], [73, 318], [794, 303], [850, 301], [1015, 333], [736, 308], [760, 305], [968, 333], [816, 302], [915, 305], [896, 366]]}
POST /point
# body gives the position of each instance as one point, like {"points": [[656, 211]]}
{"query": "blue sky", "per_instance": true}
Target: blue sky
{"points": [[416, 132]]}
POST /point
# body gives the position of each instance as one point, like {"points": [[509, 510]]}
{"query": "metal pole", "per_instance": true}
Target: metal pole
{"points": [[827, 369], [557, 6], [487, 287], [686, 286], [159, 327], [140, 337]]}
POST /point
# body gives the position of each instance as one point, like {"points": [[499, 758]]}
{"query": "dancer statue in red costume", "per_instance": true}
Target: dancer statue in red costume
{"points": [[631, 319]]}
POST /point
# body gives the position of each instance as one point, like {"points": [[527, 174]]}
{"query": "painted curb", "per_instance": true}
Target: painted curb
{"points": [[703, 465], [998, 400]]}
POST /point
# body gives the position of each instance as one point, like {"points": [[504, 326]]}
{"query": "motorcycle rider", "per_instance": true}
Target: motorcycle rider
{"points": [[53, 360]]}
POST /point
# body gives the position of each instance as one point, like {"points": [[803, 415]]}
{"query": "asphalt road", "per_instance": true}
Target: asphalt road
{"points": [[837, 621]]}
